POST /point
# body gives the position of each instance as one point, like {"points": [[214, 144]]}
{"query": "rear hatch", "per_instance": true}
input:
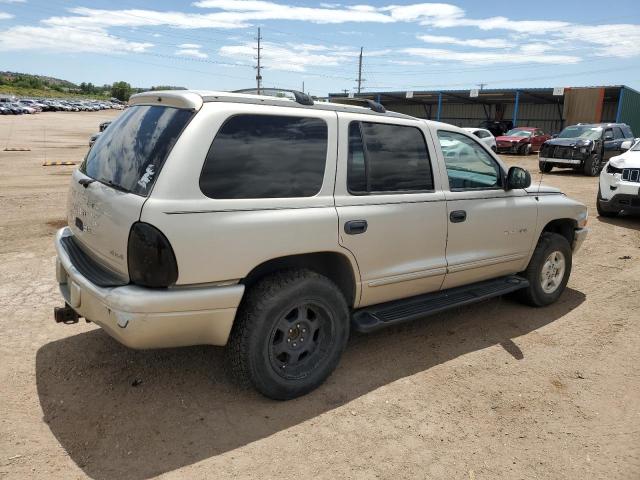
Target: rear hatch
{"points": [[109, 189]]}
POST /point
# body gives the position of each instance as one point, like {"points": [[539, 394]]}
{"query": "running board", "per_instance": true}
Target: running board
{"points": [[375, 317]]}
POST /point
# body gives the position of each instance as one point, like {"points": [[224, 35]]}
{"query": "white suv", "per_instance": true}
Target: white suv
{"points": [[275, 226], [619, 187]]}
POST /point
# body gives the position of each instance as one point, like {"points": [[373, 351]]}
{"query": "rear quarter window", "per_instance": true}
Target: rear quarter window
{"points": [[130, 153], [266, 156]]}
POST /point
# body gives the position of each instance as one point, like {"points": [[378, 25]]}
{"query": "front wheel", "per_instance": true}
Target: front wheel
{"points": [[289, 334], [591, 166], [525, 149], [545, 167], [548, 271]]}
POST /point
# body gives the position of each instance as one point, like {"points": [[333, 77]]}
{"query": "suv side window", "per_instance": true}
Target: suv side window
{"points": [[266, 156], [607, 133], [469, 166], [387, 158], [539, 133], [617, 133]]}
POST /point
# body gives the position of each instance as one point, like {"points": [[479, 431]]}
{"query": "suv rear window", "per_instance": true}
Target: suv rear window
{"points": [[129, 154], [387, 158], [266, 156]]}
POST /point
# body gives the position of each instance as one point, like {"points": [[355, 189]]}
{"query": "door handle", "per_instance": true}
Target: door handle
{"points": [[458, 216], [354, 227]]}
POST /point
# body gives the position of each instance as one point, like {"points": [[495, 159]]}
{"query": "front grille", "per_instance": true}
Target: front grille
{"points": [[631, 175], [562, 152]]}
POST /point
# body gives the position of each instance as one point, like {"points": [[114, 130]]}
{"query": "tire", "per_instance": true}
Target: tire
{"points": [[545, 167], [266, 349], [547, 281], [591, 166], [602, 210]]}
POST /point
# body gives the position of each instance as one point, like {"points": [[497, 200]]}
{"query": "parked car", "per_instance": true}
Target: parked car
{"points": [[584, 147], [19, 109], [31, 104], [276, 226], [522, 140], [103, 126], [496, 127], [485, 137], [619, 187]]}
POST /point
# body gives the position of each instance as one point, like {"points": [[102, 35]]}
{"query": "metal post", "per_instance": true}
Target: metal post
{"points": [[619, 111], [360, 71], [439, 106], [515, 109], [378, 99], [259, 67]]}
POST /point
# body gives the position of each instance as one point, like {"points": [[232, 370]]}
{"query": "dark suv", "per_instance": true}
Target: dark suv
{"points": [[584, 147]]}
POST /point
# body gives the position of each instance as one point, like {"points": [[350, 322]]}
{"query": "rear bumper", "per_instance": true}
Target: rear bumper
{"points": [[150, 318]]}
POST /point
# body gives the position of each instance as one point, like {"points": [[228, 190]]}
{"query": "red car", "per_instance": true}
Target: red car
{"points": [[521, 140]]}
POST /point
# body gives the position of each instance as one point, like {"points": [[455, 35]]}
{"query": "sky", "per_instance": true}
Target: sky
{"points": [[211, 44]]}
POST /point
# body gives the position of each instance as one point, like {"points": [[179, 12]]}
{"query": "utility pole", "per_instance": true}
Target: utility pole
{"points": [[360, 80], [302, 86], [258, 67], [481, 85]]}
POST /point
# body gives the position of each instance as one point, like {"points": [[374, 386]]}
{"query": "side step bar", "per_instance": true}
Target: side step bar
{"points": [[375, 317]]}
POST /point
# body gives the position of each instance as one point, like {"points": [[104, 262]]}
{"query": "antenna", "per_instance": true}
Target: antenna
{"points": [[258, 67], [360, 79]]}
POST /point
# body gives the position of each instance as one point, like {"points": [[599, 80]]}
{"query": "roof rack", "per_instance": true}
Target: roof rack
{"points": [[299, 97], [375, 106]]}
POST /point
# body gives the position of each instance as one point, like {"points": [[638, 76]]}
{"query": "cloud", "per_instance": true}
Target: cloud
{"points": [[66, 40], [191, 50], [13, 1], [489, 58], [470, 42], [292, 57], [5, 16]]}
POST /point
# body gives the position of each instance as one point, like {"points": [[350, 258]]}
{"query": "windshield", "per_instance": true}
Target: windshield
{"points": [[129, 154], [586, 132], [636, 146], [518, 133]]}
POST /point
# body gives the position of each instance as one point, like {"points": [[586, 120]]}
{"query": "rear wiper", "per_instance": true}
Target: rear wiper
{"points": [[115, 186]]}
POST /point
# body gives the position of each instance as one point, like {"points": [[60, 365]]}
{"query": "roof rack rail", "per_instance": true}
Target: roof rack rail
{"points": [[375, 106], [299, 97]]}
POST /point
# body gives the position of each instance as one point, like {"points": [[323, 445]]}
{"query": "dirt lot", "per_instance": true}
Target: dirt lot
{"points": [[497, 390]]}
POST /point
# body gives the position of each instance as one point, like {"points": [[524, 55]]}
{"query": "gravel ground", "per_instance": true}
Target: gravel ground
{"points": [[495, 390]]}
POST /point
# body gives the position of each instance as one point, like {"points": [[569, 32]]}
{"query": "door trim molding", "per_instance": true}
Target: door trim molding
{"points": [[485, 262], [404, 277]]}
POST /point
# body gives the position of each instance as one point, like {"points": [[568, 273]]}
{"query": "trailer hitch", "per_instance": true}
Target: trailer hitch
{"points": [[66, 315]]}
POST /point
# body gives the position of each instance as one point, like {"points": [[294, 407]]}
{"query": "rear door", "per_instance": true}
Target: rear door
{"points": [[390, 206], [109, 189]]}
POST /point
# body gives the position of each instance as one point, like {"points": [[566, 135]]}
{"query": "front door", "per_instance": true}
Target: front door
{"points": [[491, 230], [391, 208]]}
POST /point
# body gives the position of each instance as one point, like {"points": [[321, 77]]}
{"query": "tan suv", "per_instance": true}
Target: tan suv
{"points": [[275, 226]]}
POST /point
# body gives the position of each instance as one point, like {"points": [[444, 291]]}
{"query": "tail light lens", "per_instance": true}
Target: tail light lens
{"points": [[150, 257]]}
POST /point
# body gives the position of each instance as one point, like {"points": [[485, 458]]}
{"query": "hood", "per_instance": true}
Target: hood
{"points": [[568, 142], [537, 188], [504, 138], [629, 159]]}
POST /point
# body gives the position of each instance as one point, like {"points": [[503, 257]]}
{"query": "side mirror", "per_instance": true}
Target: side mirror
{"points": [[517, 178], [626, 145]]}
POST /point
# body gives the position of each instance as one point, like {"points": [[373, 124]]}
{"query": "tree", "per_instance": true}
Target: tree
{"points": [[121, 91]]}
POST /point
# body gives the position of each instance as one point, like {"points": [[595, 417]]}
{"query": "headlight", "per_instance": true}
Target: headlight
{"points": [[612, 169], [583, 149], [582, 219]]}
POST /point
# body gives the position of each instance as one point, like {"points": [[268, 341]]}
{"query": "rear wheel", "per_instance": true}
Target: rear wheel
{"points": [[591, 166], [548, 271], [289, 334]]}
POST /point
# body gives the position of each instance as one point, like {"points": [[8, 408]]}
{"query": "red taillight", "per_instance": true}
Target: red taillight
{"points": [[150, 257]]}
